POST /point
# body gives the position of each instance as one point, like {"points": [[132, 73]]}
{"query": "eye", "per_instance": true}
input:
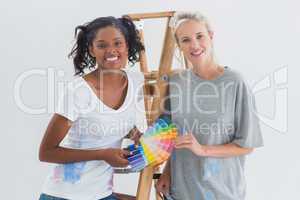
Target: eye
{"points": [[185, 40], [101, 46], [118, 43], [199, 36]]}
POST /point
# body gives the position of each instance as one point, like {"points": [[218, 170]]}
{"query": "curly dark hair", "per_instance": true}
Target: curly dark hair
{"points": [[85, 34]]}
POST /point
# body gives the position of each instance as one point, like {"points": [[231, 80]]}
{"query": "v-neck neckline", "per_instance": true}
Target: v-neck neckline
{"points": [[102, 102]]}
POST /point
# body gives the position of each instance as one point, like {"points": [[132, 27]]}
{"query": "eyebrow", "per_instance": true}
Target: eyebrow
{"points": [[184, 37], [188, 36], [117, 38]]}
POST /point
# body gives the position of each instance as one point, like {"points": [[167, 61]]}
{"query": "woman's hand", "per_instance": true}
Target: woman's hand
{"points": [[189, 142], [116, 157], [135, 135], [163, 184]]}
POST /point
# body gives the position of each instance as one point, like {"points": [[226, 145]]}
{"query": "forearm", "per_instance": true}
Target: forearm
{"points": [[223, 151], [167, 169], [65, 155]]}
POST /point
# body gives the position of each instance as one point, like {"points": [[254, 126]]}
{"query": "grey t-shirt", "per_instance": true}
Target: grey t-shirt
{"points": [[218, 111]]}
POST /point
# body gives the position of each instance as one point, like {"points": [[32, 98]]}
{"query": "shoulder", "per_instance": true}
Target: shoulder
{"points": [[178, 74], [77, 90], [234, 75], [134, 74], [242, 85]]}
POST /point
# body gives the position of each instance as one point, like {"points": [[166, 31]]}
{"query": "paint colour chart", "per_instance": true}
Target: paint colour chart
{"points": [[155, 147]]}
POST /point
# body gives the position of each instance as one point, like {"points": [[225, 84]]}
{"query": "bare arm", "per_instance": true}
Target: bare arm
{"points": [[224, 150], [50, 151], [167, 169], [163, 184]]}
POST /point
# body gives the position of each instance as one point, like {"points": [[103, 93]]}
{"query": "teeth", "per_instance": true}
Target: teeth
{"points": [[197, 53], [112, 59]]}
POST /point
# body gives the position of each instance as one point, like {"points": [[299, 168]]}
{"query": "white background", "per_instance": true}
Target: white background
{"points": [[254, 37]]}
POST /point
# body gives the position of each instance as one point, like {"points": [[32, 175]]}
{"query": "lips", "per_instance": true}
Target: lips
{"points": [[197, 53], [111, 59]]}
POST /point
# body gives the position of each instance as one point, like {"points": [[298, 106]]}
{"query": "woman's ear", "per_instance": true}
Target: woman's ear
{"points": [[91, 51], [127, 49], [211, 34], [177, 45]]}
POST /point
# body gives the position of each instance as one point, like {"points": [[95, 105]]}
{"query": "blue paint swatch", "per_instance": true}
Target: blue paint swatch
{"points": [[211, 169], [73, 171], [209, 196]]}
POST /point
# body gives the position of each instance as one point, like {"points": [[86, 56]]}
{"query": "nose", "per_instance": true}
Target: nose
{"points": [[194, 44], [111, 50]]}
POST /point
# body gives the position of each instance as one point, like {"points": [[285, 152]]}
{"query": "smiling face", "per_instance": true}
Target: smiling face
{"points": [[195, 41], [109, 48]]}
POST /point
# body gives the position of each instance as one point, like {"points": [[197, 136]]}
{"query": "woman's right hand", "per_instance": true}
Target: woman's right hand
{"points": [[116, 157], [163, 184]]}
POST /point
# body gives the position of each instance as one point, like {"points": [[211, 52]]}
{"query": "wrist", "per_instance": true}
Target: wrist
{"points": [[202, 150], [101, 154]]}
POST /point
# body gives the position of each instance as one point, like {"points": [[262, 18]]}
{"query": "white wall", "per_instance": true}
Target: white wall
{"points": [[255, 37]]}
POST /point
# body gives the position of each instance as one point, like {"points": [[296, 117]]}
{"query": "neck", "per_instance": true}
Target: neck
{"points": [[209, 71], [111, 74]]}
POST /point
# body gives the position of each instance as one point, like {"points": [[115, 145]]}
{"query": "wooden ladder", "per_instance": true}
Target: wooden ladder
{"points": [[154, 92]]}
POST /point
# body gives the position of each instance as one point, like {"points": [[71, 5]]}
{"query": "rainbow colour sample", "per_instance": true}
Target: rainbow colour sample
{"points": [[156, 145]]}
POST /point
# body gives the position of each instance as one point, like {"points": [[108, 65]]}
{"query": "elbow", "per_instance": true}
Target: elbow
{"points": [[42, 156], [243, 150]]}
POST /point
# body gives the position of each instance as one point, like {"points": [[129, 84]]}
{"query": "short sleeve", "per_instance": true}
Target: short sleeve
{"points": [[67, 106], [247, 128]]}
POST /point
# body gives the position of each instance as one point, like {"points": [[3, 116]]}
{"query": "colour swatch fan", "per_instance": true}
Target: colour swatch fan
{"points": [[156, 145]]}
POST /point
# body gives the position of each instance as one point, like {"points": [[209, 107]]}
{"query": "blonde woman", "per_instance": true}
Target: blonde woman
{"points": [[213, 106]]}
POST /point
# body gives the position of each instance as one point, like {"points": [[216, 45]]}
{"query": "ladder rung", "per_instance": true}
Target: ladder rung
{"points": [[151, 75], [139, 16]]}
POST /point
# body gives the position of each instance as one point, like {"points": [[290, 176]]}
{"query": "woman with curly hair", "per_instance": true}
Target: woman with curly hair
{"points": [[95, 112]]}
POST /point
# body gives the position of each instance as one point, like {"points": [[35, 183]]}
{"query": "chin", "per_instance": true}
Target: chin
{"points": [[113, 67], [200, 62]]}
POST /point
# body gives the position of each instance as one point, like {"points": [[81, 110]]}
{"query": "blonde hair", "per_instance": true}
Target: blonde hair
{"points": [[183, 16]]}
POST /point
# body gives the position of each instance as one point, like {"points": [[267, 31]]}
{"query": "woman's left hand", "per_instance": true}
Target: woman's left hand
{"points": [[189, 142]]}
